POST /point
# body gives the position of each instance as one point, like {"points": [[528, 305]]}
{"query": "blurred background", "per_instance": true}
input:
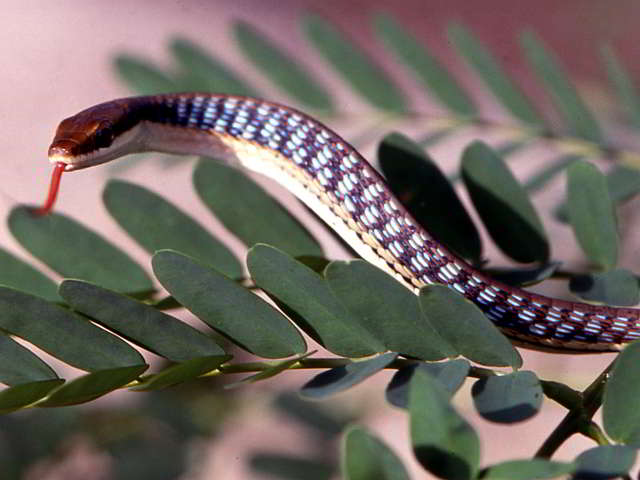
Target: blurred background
{"points": [[59, 58]]}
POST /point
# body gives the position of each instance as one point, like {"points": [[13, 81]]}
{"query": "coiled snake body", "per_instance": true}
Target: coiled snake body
{"points": [[338, 184]]}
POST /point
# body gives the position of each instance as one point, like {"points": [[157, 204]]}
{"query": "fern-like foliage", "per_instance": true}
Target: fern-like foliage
{"points": [[351, 309]]}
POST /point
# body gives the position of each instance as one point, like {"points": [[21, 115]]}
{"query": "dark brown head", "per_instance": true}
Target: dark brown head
{"points": [[94, 136]]}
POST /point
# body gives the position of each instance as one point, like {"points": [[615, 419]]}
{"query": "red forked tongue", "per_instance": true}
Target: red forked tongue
{"points": [[53, 190]]}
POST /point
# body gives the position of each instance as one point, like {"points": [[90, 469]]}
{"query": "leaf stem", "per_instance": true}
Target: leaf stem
{"points": [[593, 431], [578, 420]]}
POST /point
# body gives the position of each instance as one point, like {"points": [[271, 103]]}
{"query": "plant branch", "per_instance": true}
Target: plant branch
{"points": [[578, 420]]}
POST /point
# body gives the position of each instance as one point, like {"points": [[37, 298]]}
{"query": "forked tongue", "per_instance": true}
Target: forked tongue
{"points": [[53, 190]]}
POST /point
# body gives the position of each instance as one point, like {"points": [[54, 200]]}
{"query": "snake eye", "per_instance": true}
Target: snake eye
{"points": [[104, 135]]}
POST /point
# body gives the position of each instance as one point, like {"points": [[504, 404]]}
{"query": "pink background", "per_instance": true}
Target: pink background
{"points": [[56, 62]]}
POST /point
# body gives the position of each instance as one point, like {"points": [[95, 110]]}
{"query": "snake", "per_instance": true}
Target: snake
{"points": [[336, 182]]}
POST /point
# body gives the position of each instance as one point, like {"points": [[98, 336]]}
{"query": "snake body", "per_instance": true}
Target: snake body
{"points": [[338, 184]]}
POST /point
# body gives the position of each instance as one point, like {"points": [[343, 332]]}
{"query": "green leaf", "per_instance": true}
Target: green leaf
{"points": [[623, 183], [287, 467], [592, 214], [623, 84], [157, 224], [280, 68], [435, 78], [615, 287], [24, 394], [317, 311], [465, 327], [489, 70], [182, 372], [620, 413], [366, 457], [22, 276], [317, 418], [227, 307], [605, 461], [509, 398], [504, 206], [451, 375], [272, 371], [340, 379], [443, 442], [530, 469], [519, 277], [92, 385], [248, 211], [62, 334], [74, 251], [387, 309], [20, 365], [579, 118], [547, 173], [141, 76], [156, 331], [355, 66], [200, 71], [419, 184]]}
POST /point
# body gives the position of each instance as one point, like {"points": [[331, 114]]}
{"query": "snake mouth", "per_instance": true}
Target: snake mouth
{"points": [[63, 151]]}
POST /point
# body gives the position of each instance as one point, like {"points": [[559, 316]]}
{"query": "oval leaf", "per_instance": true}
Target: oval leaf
{"points": [[435, 78], [22, 276], [281, 69], [508, 398], [628, 95], [616, 287], [182, 372], [605, 461], [340, 379], [388, 310], [74, 251], [143, 77], [620, 412], [503, 205], [419, 184], [464, 326], [91, 386], [356, 68], [248, 211], [25, 394], [199, 71], [316, 417], [579, 118], [20, 365], [450, 374], [491, 73], [592, 214], [62, 334], [366, 457], [157, 224], [156, 331], [319, 313], [227, 307], [531, 469], [443, 442], [273, 465], [623, 183]]}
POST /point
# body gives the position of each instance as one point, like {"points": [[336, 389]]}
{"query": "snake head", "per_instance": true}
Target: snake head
{"points": [[92, 136]]}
